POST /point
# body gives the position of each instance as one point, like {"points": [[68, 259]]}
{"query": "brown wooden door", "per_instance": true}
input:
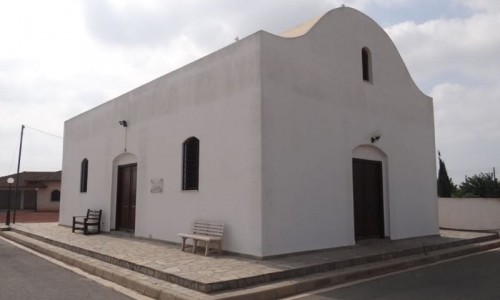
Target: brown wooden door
{"points": [[125, 200], [29, 199], [368, 199]]}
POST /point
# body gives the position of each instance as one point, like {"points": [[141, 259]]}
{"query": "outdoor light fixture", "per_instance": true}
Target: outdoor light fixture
{"points": [[124, 124], [376, 136], [10, 181]]}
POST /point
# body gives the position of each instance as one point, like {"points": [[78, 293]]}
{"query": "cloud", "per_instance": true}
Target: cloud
{"points": [[455, 60], [451, 49], [60, 58], [131, 23], [464, 114], [467, 126], [209, 23], [481, 5]]}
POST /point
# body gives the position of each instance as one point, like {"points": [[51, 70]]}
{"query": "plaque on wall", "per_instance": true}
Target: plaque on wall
{"points": [[157, 185]]}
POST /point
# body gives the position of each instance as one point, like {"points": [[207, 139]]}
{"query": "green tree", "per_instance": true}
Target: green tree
{"points": [[446, 188], [483, 185]]}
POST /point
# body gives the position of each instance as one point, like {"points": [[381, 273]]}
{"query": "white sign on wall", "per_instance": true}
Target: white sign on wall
{"points": [[157, 185]]}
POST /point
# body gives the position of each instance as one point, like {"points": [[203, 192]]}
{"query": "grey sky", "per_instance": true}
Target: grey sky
{"points": [[59, 58]]}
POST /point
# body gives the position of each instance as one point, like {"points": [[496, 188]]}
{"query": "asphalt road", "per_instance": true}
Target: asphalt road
{"points": [[473, 277], [27, 276]]}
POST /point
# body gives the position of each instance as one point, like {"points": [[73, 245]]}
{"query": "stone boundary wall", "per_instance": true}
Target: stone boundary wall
{"points": [[469, 213]]}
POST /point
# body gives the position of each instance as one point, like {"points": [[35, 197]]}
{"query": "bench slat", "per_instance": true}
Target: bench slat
{"points": [[205, 228], [219, 228], [207, 232]]}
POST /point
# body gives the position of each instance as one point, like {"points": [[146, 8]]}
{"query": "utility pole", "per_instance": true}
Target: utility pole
{"points": [[494, 176], [17, 176]]}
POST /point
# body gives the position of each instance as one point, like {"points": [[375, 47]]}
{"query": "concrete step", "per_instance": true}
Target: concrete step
{"points": [[145, 270], [288, 288], [161, 289], [243, 282]]}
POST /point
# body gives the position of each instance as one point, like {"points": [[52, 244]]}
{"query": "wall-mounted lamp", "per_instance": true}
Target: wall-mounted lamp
{"points": [[376, 136], [124, 124]]}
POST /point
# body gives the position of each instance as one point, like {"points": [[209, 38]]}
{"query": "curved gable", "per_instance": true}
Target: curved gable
{"points": [[350, 30]]}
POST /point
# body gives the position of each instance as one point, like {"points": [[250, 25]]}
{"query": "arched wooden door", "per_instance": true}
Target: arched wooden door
{"points": [[126, 197]]}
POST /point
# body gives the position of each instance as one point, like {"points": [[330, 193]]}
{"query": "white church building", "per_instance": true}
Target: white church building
{"points": [[313, 139]]}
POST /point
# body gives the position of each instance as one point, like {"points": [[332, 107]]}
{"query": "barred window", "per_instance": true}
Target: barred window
{"points": [[55, 195]]}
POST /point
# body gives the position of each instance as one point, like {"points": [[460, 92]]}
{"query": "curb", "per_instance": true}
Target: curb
{"points": [[318, 281]]}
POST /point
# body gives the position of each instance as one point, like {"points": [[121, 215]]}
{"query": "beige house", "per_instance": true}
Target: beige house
{"points": [[313, 139], [40, 191]]}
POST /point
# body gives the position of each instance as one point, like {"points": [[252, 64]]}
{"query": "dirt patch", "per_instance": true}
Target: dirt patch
{"points": [[23, 216]]}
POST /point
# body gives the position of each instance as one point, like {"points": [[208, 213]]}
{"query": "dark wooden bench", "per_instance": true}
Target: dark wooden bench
{"points": [[207, 232], [92, 219]]}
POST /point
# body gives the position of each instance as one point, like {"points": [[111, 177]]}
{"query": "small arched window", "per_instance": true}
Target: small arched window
{"points": [[366, 59], [190, 164], [84, 172], [55, 195]]}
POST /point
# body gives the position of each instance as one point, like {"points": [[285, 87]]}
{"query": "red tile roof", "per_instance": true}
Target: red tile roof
{"points": [[31, 179]]}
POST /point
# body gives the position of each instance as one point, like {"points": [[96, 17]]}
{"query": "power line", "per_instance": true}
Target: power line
{"points": [[44, 132]]}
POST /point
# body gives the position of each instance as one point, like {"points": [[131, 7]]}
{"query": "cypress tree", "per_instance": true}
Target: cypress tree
{"points": [[445, 185]]}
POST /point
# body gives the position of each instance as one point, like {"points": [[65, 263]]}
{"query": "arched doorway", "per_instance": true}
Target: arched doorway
{"points": [[368, 192], [125, 167]]}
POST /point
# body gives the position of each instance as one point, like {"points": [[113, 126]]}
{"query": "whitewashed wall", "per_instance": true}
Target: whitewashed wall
{"points": [[316, 111], [217, 100], [469, 213]]}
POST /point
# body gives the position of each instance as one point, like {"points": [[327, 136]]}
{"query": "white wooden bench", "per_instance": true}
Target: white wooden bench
{"points": [[207, 232]]}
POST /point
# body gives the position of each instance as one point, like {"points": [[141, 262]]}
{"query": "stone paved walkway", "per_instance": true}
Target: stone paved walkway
{"points": [[212, 269]]}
